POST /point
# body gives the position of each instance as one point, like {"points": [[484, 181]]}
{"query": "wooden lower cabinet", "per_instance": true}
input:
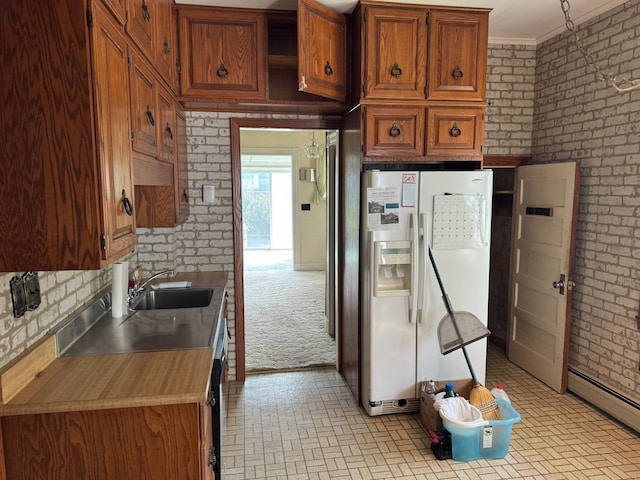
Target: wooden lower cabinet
{"points": [[166, 442]]}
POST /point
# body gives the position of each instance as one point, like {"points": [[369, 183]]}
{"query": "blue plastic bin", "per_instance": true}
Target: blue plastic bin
{"points": [[488, 441]]}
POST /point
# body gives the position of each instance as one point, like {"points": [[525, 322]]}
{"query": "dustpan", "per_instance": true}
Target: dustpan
{"points": [[456, 329], [469, 330]]}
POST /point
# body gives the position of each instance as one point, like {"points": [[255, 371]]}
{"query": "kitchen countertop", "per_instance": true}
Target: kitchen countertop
{"points": [[41, 382]]}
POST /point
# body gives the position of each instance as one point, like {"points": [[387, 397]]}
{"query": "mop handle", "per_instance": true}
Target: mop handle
{"points": [[447, 304]]}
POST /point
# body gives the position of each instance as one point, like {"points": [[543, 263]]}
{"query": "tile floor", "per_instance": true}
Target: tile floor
{"points": [[306, 425]]}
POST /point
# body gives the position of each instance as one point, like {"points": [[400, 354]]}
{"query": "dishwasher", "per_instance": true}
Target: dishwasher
{"points": [[218, 414]]}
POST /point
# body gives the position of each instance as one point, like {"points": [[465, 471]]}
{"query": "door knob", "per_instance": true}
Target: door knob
{"points": [[563, 283]]}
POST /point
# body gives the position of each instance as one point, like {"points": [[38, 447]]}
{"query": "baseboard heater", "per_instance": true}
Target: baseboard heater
{"points": [[615, 404]]}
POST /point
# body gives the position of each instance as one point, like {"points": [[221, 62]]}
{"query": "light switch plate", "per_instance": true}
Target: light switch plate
{"points": [[208, 193]]}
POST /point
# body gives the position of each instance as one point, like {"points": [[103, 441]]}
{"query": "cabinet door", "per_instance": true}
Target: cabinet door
{"points": [[182, 179], [141, 24], [167, 43], [457, 55], [395, 59], [144, 107], [118, 8], [111, 87], [322, 43], [206, 443], [167, 126], [223, 54], [455, 132], [394, 131]]}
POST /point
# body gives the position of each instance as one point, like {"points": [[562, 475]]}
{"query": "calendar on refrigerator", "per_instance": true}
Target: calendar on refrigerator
{"points": [[459, 221]]}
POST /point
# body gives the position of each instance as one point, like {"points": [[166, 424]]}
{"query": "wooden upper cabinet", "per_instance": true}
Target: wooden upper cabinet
{"points": [[395, 57], [322, 59], [223, 53], [393, 131], [457, 55], [110, 81], [455, 132], [166, 58], [142, 24], [144, 107], [182, 180], [66, 149], [166, 126]]}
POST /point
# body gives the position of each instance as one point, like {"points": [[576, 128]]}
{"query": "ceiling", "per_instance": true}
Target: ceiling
{"points": [[510, 22]]}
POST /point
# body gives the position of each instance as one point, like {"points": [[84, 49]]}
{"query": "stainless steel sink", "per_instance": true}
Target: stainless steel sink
{"points": [[163, 319], [173, 298]]}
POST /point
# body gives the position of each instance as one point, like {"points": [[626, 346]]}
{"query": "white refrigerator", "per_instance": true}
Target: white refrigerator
{"points": [[403, 213]]}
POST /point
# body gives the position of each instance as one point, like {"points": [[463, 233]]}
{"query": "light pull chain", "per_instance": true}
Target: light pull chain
{"points": [[621, 84]]}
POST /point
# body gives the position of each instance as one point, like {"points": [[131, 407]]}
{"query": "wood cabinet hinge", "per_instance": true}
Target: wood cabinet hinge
{"points": [[103, 242], [178, 65], [427, 19], [132, 135], [481, 148], [89, 18]]}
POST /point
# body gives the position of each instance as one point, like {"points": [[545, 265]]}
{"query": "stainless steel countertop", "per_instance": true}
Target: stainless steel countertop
{"points": [[141, 331]]}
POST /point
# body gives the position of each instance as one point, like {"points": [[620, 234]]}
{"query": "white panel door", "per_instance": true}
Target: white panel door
{"points": [[544, 211]]}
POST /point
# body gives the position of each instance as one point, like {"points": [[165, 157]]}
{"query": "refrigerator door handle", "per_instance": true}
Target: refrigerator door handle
{"points": [[415, 260], [424, 255]]}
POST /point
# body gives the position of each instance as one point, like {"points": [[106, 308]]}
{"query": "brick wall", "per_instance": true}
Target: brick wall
{"points": [[61, 293], [509, 115], [577, 117]]}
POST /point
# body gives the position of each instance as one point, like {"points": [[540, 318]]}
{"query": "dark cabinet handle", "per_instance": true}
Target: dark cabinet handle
{"points": [[455, 131], [126, 203], [327, 69], [145, 12], [185, 196], [394, 131], [212, 457], [167, 48], [457, 73], [150, 119], [211, 399], [169, 131], [222, 71], [396, 71]]}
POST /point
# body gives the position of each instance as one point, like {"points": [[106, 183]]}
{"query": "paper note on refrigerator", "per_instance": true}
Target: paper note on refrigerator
{"points": [[459, 221], [383, 208]]}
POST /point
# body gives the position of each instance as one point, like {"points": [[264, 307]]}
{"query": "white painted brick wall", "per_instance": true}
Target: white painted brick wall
{"points": [[577, 117], [510, 86]]}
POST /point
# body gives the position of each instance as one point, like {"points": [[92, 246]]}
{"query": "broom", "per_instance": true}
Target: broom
{"points": [[480, 396]]}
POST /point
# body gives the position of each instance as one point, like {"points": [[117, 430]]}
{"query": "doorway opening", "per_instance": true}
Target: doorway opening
{"points": [[284, 254]]}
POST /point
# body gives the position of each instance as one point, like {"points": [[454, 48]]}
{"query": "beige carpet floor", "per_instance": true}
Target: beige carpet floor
{"points": [[285, 321]]}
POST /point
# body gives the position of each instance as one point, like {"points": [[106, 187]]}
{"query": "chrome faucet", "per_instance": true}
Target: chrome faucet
{"points": [[137, 288]]}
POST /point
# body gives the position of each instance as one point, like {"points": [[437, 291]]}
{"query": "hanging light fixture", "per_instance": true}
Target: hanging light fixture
{"points": [[622, 84], [313, 149]]}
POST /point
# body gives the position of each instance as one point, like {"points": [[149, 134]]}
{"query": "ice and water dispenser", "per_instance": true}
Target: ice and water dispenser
{"points": [[392, 269]]}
